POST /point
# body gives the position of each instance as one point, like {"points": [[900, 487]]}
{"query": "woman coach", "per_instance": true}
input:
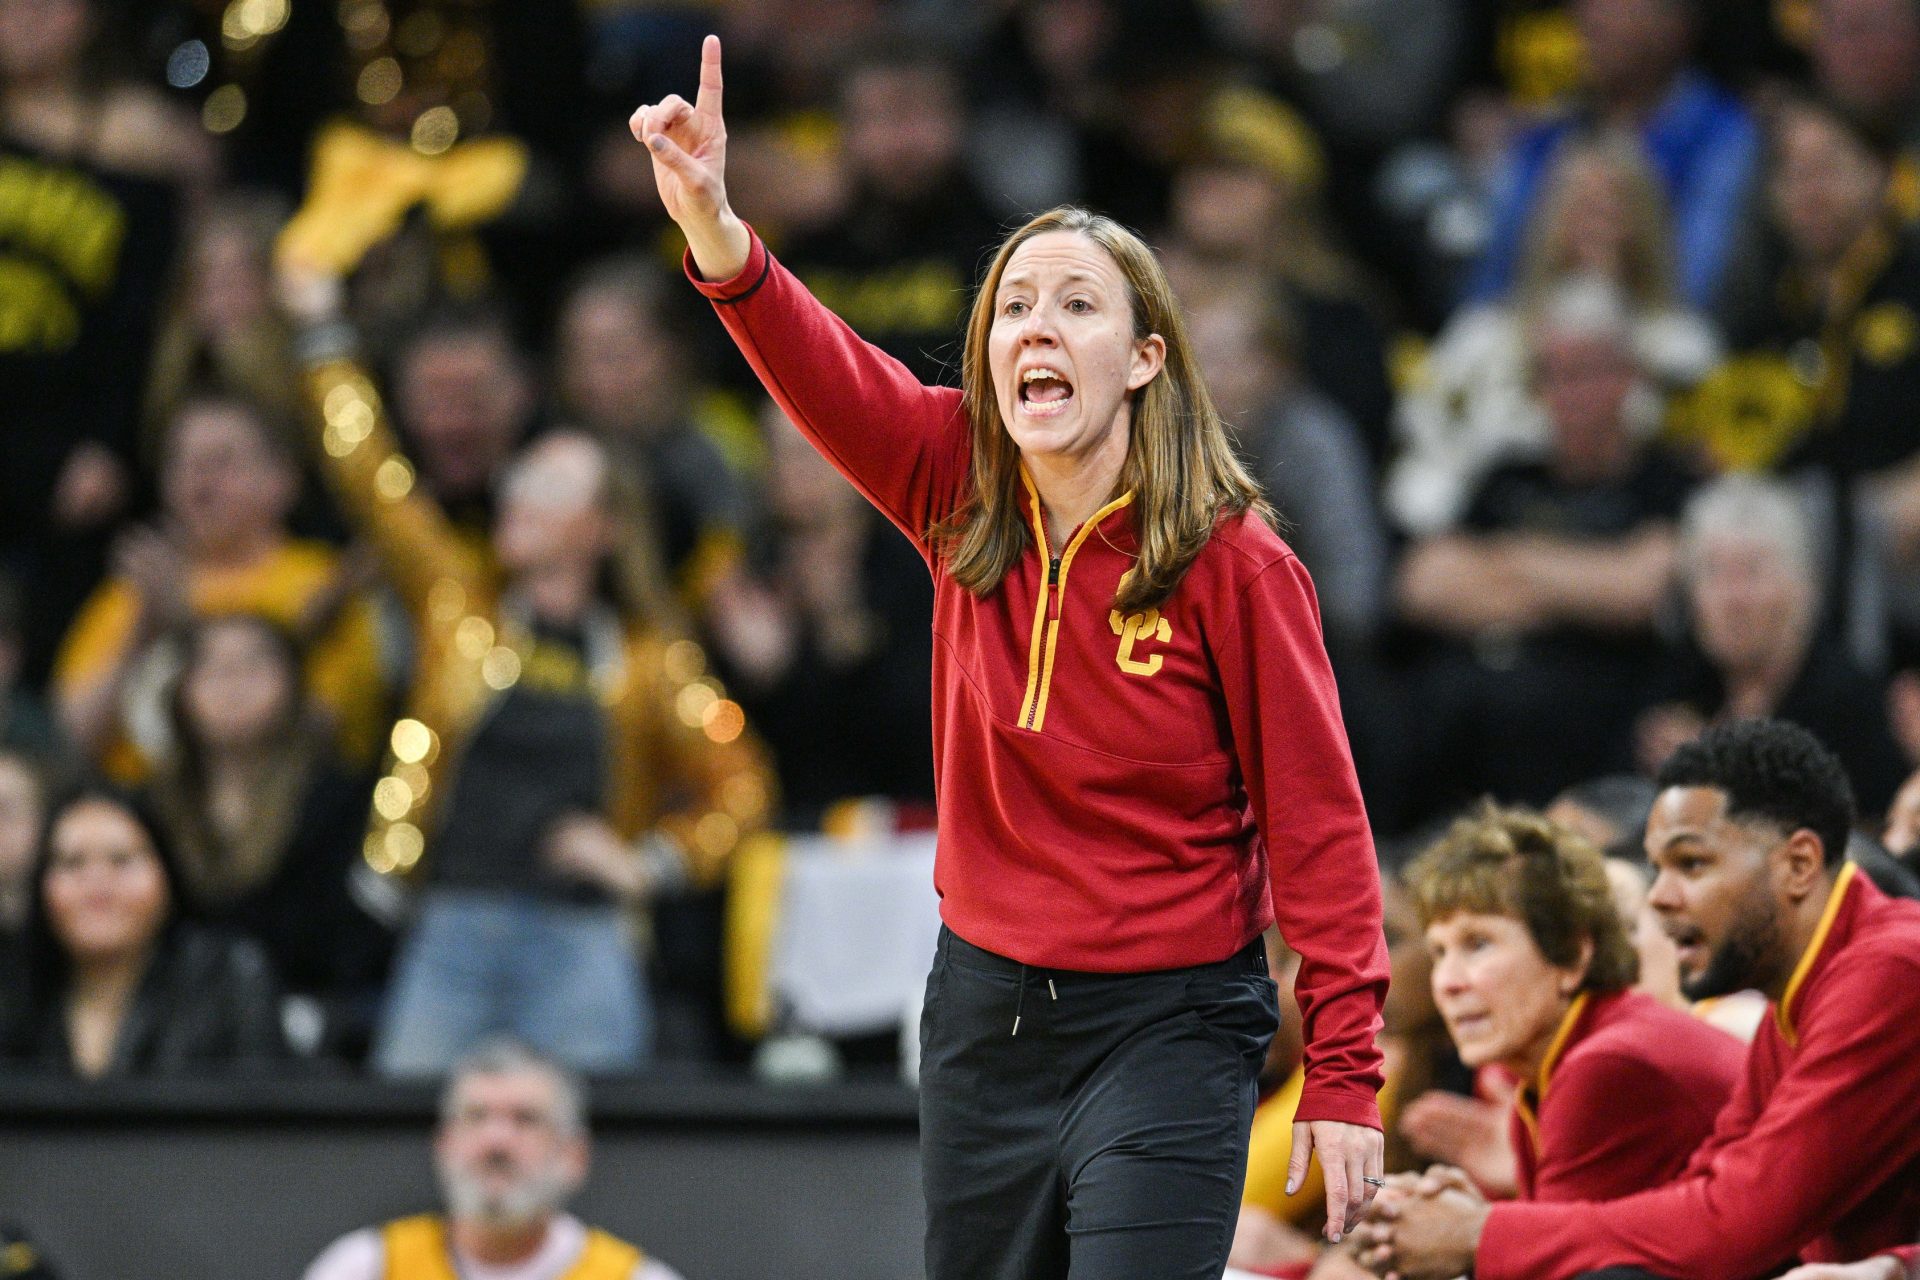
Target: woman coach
{"points": [[1139, 754]]}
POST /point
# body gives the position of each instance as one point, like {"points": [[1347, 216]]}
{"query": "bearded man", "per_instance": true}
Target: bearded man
{"points": [[511, 1150]]}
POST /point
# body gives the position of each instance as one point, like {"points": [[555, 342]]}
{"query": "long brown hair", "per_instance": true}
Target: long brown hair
{"points": [[1180, 462], [215, 868]]}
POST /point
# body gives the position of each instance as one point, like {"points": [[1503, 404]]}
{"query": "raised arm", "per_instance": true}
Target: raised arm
{"points": [[903, 445], [370, 476]]}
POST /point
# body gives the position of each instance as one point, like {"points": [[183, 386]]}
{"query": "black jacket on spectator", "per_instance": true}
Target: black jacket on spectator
{"points": [[863, 728], [208, 1004], [1869, 347], [1820, 378], [85, 260], [303, 916]]}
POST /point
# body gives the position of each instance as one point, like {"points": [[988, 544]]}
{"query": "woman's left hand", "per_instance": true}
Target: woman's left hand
{"points": [[1349, 1155]]}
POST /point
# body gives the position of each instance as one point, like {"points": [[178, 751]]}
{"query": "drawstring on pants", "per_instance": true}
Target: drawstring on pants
{"points": [[1020, 998]]}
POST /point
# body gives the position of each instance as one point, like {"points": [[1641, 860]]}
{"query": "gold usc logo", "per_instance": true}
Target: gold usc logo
{"points": [[1135, 628]]}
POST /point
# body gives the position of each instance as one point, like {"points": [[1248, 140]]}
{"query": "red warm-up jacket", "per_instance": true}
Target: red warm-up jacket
{"points": [[1817, 1153], [1117, 793], [1628, 1092]]}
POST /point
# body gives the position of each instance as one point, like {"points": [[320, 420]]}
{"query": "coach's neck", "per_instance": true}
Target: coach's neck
{"points": [[1074, 486]]}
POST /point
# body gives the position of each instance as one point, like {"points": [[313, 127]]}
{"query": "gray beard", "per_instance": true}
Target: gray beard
{"points": [[524, 1204]]}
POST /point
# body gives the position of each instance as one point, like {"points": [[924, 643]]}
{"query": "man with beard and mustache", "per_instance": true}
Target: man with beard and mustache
{"points": [[1817, 1153], [510, 1151]]}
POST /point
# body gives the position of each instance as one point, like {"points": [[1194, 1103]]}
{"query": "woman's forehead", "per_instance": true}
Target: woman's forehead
{"points": [[1464, 919], [1053, 257]]}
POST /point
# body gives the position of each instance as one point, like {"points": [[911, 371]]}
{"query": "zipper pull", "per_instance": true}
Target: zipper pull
{"points": [[1053, 588]]}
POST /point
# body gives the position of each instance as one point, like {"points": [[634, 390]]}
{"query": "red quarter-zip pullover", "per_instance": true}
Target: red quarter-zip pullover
{"points": [[1816, 1153], [1117, 793]]}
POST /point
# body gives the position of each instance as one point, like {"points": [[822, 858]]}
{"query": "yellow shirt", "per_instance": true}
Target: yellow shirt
{"points": [[343, 665], [416, 1249]]}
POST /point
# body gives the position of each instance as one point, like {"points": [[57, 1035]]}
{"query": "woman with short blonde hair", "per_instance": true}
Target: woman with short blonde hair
{"points": [[1533, 972]]}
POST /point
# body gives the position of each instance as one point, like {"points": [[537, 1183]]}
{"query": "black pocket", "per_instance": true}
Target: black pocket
{"points": [[930, 999], [1241, 1010]]}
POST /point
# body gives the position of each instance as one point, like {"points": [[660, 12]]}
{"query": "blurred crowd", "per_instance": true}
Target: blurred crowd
{"points": [[386, 674]]}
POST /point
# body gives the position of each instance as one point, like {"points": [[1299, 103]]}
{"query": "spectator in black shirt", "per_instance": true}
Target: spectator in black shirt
{"points": [[628, 375], [117, 982], [899, 261], [267, 824], [93, 168], [828, 641], [465, 396], [1548, 591], [1827, 363], [1827, 336]]}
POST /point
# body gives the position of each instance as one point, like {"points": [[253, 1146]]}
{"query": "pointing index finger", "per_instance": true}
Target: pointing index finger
{"points": [[708, 102]]}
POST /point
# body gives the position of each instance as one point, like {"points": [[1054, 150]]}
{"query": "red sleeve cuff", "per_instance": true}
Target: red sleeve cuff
{"points": [[1338, 1104], [750, 278]]}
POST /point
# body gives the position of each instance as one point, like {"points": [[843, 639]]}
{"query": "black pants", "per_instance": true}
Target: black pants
{"points": [[1078, 1126]]}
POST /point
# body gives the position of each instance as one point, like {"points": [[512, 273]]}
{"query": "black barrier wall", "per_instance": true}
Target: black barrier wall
{"points": [[248, 1181]]}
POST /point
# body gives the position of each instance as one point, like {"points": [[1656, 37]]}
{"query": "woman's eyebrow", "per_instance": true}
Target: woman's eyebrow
{"points": [[1072, 277]]}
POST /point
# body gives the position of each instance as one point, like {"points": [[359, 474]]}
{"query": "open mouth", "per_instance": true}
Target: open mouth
{"points": [[1689, 944], [1044, 391]]}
